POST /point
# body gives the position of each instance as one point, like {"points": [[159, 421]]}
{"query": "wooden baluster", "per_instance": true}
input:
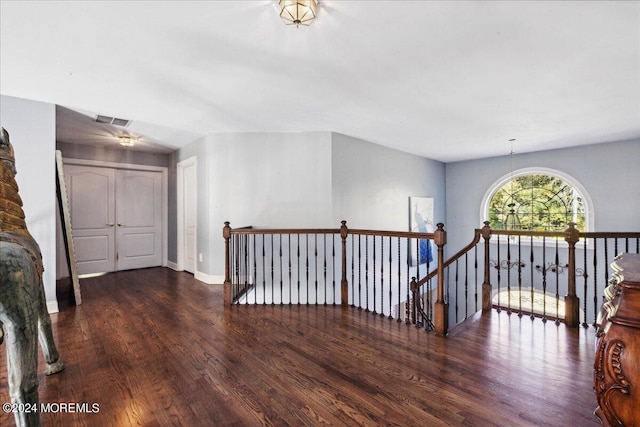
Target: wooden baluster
{"points": [[571, 300], [441, 309], [486, 284]]}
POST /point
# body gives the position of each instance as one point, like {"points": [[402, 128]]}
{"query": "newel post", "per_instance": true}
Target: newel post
{"points": [[486, 285], [344, 284], [226, 233], [441, 309], [571, 300]]}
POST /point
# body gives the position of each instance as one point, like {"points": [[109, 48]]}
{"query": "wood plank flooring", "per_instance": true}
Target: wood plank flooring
{"points": [[155, 347]]}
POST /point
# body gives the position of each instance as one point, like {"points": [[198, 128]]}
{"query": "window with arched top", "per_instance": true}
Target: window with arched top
{"points": [[537, 199]]}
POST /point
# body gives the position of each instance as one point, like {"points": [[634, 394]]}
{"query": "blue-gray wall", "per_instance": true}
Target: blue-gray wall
{"points": [[371, 184], [302, 180], [610, 174]]}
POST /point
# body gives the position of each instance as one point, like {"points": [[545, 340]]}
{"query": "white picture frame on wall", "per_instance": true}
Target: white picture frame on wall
{"points": [[421, 211]]}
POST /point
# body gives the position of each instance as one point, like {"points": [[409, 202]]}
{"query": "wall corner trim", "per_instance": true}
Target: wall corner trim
{"points": [[52, 306]]}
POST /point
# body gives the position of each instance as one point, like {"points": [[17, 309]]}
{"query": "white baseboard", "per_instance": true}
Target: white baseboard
{"points": [[172, 265], [52, 306], [209, 279]]}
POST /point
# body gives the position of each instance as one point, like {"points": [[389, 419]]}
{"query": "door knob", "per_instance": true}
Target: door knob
{"points": [[120, 225], [109, 224]]}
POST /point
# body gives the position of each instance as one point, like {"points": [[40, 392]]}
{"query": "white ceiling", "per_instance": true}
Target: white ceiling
{"points": [[448, 80]]}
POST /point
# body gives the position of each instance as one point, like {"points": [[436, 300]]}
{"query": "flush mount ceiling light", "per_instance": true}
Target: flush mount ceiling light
{"points": [[127, 140], [298, 12]]}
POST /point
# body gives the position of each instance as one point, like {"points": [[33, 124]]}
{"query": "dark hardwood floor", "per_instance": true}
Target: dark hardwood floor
{"points": [[156, 347]]}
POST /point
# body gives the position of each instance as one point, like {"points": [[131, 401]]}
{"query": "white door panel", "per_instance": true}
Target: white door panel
{"points": [[139, 219], [91, 198]]}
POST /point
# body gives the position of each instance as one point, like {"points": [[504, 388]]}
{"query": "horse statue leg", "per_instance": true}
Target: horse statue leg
{"points": [[45, 336], [18, 316]]}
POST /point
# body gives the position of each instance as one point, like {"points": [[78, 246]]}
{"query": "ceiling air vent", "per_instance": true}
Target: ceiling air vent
{"points": [[112, 121]]}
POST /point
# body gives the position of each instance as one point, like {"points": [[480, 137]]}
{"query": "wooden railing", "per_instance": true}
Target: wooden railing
{"points": [[558, 276], [367, 269]]}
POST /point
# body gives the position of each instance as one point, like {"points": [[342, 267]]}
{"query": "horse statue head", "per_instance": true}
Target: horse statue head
{"points": [[6, 152]]}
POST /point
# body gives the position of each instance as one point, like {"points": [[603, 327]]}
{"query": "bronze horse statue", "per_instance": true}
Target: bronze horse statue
{"points": [[24, 318]]}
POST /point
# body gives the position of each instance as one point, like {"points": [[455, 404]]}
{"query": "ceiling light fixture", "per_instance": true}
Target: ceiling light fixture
{"points": [[511, 220], [298, 12], [127, 140]]}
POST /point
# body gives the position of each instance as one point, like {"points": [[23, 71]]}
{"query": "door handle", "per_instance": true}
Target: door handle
{"points": [[120, 225], [110, 224]]}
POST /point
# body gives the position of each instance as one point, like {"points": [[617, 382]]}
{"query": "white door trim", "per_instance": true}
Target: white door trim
{"points": [[181, 166], [165, 190]]}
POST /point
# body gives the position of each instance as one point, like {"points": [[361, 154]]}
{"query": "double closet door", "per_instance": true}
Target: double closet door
{"points": [[116, 217]]}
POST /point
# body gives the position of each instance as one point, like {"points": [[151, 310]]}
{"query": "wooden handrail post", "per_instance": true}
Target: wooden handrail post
{"points": [[571, 300], [344, 284], [441, 309], [486, 285], [226, 233]]}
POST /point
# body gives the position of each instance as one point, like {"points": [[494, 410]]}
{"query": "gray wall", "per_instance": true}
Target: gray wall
{"points": [[609, 173], [259, 179], [371, 184], [302, 180], [32, 129]]}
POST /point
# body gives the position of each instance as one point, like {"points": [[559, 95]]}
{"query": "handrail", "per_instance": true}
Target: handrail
{"points": [[570, 235], [458, 255], [326, 262]]}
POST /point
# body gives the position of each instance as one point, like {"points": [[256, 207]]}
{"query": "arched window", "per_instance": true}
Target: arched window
{"points": [[537, 199]]}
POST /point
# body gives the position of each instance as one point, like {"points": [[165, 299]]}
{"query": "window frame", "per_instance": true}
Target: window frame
{"points": [[504, 179]]}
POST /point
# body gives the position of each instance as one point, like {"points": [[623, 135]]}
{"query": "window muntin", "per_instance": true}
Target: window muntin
{"points": [[543, 199]]}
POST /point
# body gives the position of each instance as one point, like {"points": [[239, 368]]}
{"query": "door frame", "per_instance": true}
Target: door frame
{"points": [[130, 166], [181, 166]]}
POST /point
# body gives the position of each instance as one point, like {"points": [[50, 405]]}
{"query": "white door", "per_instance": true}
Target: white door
{"points": [[91, 192], [139, 219], [189, 215], [116, 218]]}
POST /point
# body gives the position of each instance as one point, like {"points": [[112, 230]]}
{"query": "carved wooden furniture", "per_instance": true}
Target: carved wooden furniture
{"points": [[617, 361]]}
